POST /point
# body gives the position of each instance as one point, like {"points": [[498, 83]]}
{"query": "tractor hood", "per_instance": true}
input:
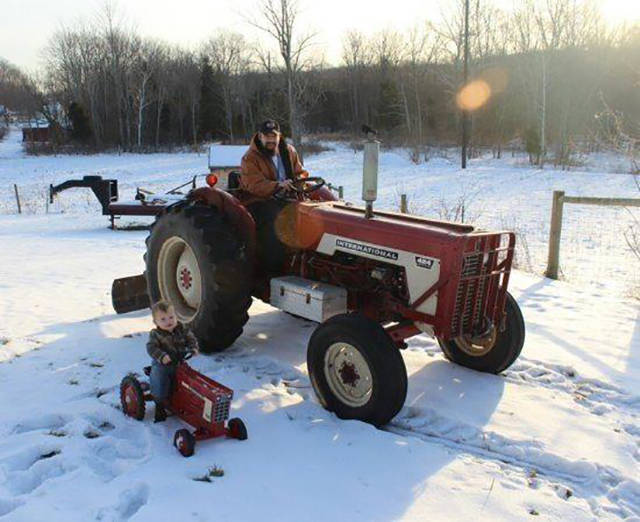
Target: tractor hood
{"points": [[389, 229]]}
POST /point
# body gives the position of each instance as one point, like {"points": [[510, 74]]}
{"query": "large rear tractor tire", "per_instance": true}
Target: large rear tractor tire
{"points": [[197, 261], [356, 370], [496, 352]]}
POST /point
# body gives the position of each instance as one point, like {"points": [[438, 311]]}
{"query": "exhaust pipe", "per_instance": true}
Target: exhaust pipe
{"points": [[370, 170]]}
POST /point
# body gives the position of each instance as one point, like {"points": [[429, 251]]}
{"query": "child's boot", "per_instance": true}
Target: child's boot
{"points": [[161, 413]]}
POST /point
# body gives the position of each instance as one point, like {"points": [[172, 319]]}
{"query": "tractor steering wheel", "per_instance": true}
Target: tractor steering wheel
{"points": [[302, 187]]}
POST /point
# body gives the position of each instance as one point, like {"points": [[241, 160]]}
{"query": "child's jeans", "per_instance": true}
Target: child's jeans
{"points": [[161, 380]]}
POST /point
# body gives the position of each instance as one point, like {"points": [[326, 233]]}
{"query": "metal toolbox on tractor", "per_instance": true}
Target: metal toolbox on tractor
{"points": [[308, 299]]}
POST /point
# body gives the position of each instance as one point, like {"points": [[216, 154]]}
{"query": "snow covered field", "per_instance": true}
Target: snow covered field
{"points": [[497, 194], [556, 436]]}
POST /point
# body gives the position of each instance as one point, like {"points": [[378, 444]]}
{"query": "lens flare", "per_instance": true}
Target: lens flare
{"points": [[473, 95]]}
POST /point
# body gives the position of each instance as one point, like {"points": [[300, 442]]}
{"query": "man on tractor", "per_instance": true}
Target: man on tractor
{"points": [[268, 171], [270, 164]]}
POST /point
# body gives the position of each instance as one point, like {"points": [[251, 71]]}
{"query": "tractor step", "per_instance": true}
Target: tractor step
{"points": [[129, 294]]}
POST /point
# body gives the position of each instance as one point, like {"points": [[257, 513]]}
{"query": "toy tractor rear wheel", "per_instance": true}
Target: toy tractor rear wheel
{"points": [[185, 442], [356, 370], [496, 351], [237, 429], [132, 397], [197, 261]]}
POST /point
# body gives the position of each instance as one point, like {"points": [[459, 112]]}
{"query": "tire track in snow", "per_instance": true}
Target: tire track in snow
{"points": [[597, 396], [530, 458]]}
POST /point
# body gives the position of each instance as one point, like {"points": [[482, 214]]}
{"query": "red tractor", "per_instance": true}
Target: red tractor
{"points": [[371, 279], [196, 399]]}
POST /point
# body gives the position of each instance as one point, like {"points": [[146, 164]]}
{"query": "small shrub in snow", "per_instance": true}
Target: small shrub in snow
{"points": [[212, 472]]}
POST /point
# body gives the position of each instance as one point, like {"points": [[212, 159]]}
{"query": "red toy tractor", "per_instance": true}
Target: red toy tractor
{"points": [[196, 399], [370, 279]]}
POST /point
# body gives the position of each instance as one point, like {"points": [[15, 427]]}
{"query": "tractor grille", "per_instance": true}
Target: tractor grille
{"points": [[483, 283], [221, 413]]}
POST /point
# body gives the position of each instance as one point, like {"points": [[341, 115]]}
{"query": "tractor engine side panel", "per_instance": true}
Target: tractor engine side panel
{"points": [[422, 272]]}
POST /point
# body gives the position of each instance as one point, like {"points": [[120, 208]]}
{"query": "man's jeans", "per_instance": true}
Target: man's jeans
{"points": [[161, 380]]}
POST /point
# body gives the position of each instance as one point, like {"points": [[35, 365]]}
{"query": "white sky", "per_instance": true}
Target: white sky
{"points": [[26, 25]]}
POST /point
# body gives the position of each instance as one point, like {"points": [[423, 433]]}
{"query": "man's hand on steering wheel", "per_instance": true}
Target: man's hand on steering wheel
{"points": [[299, 186], [286, 185]]}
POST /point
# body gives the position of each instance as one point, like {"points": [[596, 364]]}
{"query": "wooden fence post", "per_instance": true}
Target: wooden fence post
{"points": [[554, 235], [15, 187], [403, 204]]}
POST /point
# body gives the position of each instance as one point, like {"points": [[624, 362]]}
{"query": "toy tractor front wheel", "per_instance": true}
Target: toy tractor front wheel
{"points": [[197, 261], [237, 429], [496, 351], [185, 442], [132, 397], [356, 370]]}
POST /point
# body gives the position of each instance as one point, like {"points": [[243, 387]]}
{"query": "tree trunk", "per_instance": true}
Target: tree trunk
{"points": [[194, 130], [543, 115], [158, 116], [141, 103]]}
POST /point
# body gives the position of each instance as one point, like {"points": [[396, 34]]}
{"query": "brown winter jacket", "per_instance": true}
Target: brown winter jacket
{"points": [[174, 344], [259, 176]]}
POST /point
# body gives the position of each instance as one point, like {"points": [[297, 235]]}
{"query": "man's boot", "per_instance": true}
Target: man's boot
{"points": [[161, 413]]}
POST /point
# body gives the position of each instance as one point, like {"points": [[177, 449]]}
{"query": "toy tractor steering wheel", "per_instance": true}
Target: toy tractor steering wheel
{"points": [[188, 355]]}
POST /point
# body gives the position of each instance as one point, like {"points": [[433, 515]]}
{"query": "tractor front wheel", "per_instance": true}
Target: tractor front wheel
{"points": [[356, 370], [494, 353]]}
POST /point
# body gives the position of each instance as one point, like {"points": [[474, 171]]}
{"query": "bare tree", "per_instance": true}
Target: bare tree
{"points": [[279, 19], [230, 58], [356, 57]]}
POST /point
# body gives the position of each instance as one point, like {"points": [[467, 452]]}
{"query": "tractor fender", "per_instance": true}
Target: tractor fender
{"points": [[231, 207]]}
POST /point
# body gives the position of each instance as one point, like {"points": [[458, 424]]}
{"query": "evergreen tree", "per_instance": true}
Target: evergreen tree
{"points": [[80, 126], [209, 118], [389, 105]]}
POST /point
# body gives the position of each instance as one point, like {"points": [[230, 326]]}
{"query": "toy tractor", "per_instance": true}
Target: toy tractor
{"points": [[370, 279], [196, 399]]}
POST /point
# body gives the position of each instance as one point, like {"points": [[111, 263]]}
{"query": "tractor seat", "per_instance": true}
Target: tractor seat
{"points": [[234, 180]]}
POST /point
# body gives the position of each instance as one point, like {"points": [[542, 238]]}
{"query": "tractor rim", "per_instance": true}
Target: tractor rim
{"points": [[179, 277], [130, 400], [348, 374], [478, 346]]}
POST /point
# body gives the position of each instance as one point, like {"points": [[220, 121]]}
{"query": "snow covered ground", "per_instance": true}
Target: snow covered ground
{"points": [[556, 436]]}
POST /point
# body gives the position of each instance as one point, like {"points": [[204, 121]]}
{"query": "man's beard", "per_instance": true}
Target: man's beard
{"points": [[271, 151]]}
